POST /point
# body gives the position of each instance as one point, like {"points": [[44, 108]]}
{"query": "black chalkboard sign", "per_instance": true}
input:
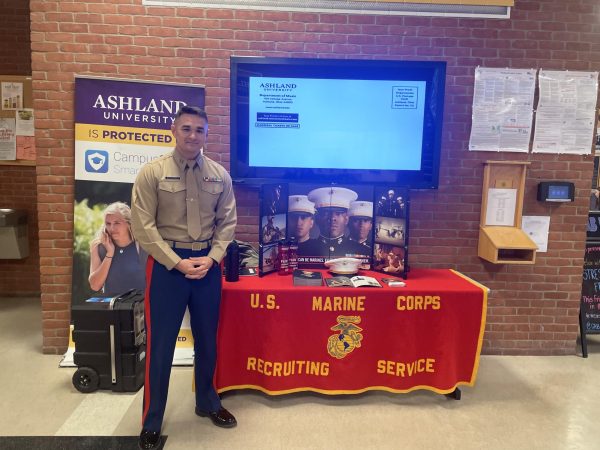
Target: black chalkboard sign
{"points": [[593, 227], [589, 312]]}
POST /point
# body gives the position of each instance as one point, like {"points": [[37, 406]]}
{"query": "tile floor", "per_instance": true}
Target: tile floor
{"points": [[517, 403]]}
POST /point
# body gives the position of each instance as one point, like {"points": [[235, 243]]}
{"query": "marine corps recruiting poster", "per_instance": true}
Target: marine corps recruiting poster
{"points": [[120, 125]]}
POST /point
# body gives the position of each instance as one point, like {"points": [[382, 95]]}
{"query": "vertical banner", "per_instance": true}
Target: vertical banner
{"points": [[120, 125]]}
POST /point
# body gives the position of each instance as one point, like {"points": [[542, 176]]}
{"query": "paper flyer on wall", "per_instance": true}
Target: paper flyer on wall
{"points": [[502, 109], [26, 148], [566, 112], [25, 122], [501, 207], [12, 95], [537, 228], [8, 142]]}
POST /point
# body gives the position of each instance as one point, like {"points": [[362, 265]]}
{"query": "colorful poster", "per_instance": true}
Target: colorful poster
{"points": [[331, 222], [120, 125], [12, 95]]}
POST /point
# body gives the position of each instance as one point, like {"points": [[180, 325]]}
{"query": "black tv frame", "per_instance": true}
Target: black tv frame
{"points": [[432, 72]]}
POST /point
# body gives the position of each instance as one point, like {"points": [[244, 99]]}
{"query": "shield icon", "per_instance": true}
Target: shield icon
{"points": [[96, 160]]}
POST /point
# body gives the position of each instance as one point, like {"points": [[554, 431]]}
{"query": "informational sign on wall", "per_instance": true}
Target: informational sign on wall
{"points": [[566, 112], [502, 109]]}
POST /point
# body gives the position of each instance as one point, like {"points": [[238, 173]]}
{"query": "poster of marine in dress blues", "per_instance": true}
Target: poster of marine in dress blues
{"points": [[120, 125]]}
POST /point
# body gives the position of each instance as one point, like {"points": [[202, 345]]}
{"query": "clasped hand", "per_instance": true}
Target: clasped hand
{"points": [[195, 267]]}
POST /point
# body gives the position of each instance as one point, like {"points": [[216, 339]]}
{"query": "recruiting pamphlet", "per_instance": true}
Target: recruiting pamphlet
{"points": [[356, 281]]}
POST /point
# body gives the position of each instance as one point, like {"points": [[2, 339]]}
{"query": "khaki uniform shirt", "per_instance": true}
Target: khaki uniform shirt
{"points": [[159, 207]]}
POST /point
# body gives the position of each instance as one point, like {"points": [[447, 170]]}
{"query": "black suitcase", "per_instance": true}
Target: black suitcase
{"points": [[110, 343]]}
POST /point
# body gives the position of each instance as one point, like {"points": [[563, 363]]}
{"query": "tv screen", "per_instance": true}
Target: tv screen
{"points": [[341, 121]]}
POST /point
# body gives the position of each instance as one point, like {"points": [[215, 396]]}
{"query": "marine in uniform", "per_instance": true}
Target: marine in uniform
{"points": [[361, 222], [332, 204], [271, 233], [184, 216], [301, 212]]}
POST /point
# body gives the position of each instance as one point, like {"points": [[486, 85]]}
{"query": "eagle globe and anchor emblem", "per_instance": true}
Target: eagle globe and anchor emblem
{"points": [[349, 337]]}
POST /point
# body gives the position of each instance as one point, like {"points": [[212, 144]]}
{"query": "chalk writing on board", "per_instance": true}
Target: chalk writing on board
{"points": [[590, 288]]}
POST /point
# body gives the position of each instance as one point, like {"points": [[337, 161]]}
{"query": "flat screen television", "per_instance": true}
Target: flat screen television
{"points": [[336, 120]]}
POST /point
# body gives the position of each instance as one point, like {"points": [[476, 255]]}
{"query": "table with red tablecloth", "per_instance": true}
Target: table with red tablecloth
{"points": [[279, 338]]}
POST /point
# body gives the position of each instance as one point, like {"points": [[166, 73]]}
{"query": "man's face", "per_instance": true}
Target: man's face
{"points": [[360, 227], [301, 224], [190, 133], [332, 221]]}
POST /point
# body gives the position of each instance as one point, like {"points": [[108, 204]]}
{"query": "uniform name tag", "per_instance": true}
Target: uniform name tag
{"points": [[172, 178], [213, 179]]}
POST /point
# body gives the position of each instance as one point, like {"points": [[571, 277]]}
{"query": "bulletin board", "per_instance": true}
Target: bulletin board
{"points": [[17, 137]]}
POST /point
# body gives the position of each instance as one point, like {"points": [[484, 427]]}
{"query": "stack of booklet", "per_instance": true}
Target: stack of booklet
{"points": [[307, 278]]}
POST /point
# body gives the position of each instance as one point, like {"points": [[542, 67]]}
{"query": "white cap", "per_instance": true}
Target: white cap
{"points": [[361, 209], [300, 203], [332, 197], [344, 265]]}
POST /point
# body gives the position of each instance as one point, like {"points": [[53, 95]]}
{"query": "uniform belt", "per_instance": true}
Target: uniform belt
{"points": [[198, 245]]}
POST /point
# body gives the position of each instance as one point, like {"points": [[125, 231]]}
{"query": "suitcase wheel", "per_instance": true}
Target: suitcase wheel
{"points": [[86, 380]]}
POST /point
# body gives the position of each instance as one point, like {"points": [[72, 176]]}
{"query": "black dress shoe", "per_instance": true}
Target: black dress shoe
{"points": [[221, 418], [149, 440]]}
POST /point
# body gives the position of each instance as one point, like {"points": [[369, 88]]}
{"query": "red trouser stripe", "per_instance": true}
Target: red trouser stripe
{"points": [[149, 267]]}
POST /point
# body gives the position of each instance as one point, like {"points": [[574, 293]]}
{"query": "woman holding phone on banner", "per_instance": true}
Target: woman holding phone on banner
{"points": [[117, 263]]}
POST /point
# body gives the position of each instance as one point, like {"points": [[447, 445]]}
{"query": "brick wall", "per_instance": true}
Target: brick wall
{"points": [[18, 183], [532, 309], [15, 51]]}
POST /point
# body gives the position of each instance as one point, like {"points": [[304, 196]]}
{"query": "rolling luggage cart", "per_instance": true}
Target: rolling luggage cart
{"points": [[110, 343]]}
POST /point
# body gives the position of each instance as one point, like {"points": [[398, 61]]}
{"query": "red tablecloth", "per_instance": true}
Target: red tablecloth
{"points": [[280, 338]]}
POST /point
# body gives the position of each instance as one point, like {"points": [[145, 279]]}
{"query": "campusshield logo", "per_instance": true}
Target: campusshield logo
{"points": [[96, 161]]}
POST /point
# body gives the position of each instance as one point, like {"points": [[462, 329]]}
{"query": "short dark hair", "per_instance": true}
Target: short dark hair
{"points": [[193, 110]]}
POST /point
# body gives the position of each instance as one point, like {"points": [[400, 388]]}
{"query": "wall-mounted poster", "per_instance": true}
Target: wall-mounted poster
{"points": [[12, 95], [566, 112], [331, 222], [391, 231], [502, 109], [8, 140]]}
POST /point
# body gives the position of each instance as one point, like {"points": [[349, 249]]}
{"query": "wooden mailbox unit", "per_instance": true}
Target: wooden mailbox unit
{"points": [[501, 239]]}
